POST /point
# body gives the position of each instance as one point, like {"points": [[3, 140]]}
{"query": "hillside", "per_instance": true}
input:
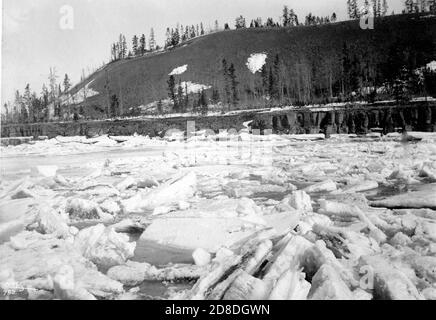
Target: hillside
{"points": [[316, 63]]}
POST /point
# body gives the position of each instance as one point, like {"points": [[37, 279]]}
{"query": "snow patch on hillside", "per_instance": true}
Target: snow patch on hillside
{"points": [[256, 61], [191, 87], [431, 66], [179, 70], [80, 96]]}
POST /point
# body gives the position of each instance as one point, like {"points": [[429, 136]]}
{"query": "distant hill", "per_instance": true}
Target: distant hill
{"points": [[315, 64]]}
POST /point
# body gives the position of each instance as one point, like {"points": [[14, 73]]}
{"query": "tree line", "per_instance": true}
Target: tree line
{"points": [[31, 107], [344, 73]]}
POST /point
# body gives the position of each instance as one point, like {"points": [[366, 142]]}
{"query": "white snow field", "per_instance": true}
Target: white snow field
{"points": [[179, 70], [219, 217], [256, 61]]}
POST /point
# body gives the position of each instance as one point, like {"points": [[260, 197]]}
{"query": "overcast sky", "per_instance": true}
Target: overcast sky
{"points": [[33, 40]]}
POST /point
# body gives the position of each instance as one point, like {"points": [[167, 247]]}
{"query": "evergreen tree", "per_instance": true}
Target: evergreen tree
{"points": [[226, 26], [168, 38], [152, 41], [171, 91], [215, 96], [432, 6], [114, 52], [379, 8], [175, 38], [270, 23], [122, 47], [135, 46], [27, 102], [201, 29], [265, 80], [67, 83], [180, 98], [409, 6], [202, 102], [385, 8], [234, 84], [159, 107], [285, 17], [353, 10], [293, 19], [142, 45], [333, 19], [240, 22], [227, 81]]}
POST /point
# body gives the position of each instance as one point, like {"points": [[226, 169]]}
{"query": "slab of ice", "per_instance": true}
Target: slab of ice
{"points": [[324, 186], [179, 188], [45, 171], [193, 233], [425, 198]]}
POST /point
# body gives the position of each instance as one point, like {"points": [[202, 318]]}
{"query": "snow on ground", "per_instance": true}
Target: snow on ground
{"points": [[179, 70], [191, 87], [80, 96], [256, 61], [103, 215], [431, 66]]}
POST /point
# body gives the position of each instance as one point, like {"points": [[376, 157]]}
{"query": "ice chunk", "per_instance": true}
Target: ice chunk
{"points": [[49, 221], [290, 286], [328, 285], [83, 209], [288, 257], [192, 233], [247, 287], [389, 282], [128, 226], [126, 184], [400, 240], [111, 207], [177, 189], [45, 171], [40, 256], [300, 200], [130, 274], [104, 246], [362, 186], [65, 288], [429, 173], [183, 205], [147, 182], [247, 207], [201, 257], [425, 198], [324, 186]]}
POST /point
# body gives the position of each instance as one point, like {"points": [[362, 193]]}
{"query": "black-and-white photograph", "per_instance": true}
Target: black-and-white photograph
{"points": [[218, 150]]}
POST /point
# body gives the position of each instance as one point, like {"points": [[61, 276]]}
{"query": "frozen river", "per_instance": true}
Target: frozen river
{"points": [[138, 218]]}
